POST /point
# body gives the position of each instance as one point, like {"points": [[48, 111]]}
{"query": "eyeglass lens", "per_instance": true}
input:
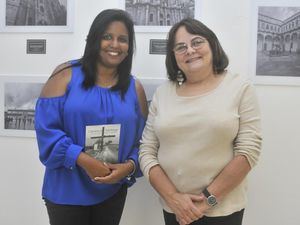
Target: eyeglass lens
{"points": [[196, 43]]}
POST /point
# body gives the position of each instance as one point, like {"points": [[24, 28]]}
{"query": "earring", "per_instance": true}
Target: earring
{"points": [[180, 78]]}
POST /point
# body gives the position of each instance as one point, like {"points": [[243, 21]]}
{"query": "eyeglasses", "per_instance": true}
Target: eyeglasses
{"points": [[196, 43]]}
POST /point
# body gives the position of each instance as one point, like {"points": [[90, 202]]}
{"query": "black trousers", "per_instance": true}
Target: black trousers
{"points": [[108, 212], [233, 219]]}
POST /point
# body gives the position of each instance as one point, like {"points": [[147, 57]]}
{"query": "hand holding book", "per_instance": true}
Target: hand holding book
{"points": [[118, 172], [93, 167]]}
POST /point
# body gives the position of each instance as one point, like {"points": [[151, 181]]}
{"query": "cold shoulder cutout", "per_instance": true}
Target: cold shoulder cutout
{"points": [[141, 98], [58, 82], [61, 67]]}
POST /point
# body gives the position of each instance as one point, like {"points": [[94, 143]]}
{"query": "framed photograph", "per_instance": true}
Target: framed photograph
{"points": [[36, 16], [159, 16], [150, 85], [18, 95], [275, 48]]}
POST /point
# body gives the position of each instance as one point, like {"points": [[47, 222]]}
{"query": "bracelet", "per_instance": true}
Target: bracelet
{"points": [[134, 167]]}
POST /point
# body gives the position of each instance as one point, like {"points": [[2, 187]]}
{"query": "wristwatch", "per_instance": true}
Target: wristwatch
{"points": [[211, 199]]}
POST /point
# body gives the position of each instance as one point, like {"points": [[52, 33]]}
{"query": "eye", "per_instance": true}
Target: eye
{"points": [[123, 39], [179, 48], [107, 37], [196, 43]]}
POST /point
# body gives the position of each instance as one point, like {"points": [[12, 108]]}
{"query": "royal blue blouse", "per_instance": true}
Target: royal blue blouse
{"points": [[60, 128]]}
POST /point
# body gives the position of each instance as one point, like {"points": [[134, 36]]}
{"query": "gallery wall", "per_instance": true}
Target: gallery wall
{"points": [[273, 185]]}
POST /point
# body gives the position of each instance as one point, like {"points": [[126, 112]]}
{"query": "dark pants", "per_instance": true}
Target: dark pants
{"points": [[233, 219], [108, 212]]}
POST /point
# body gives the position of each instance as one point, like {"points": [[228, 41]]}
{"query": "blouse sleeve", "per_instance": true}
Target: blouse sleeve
{"points": [[149, 143], [249, 139], [56, 149], [134, 154]]}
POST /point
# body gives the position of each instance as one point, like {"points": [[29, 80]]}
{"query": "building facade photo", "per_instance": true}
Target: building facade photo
{"points": [[36, 12], [278, 41], [159, 12]]}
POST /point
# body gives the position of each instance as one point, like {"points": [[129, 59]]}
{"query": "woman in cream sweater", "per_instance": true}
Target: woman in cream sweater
{"points": [[202, 136]]}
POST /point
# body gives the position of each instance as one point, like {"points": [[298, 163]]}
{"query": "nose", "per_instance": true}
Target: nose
{"points": [[190, 50], [114, 42]]}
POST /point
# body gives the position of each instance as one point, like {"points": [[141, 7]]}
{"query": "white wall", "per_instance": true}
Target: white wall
{"points": [[273, 185]]}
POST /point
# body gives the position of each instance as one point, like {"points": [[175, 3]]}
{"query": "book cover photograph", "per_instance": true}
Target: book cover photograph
{"points": [[102, 142]]}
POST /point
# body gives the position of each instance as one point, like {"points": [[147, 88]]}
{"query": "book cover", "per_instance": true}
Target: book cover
{"points": [[102, 142]]}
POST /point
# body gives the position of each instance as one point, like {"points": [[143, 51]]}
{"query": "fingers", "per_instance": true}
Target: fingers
{"points": [[188, 211], [197, 213], [105, 179], [196, 198], [110, 165], [181, 221], [185, 209], [191, 215], [112, 178], [188, 218], [101, 179]]}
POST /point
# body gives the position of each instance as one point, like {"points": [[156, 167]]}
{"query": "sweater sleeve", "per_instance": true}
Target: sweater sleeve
{"points": [[149, 143], [56, 149], [248, 140]]}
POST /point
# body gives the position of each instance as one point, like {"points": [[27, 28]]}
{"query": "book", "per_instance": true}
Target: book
{"points": [[102, 142]]}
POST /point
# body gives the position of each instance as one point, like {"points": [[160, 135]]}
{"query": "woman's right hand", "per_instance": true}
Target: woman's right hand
{"points": [[184, 207], [93, 167]]}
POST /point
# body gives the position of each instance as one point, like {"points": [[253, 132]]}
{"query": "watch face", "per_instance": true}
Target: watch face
{"points": [[211, 200]]}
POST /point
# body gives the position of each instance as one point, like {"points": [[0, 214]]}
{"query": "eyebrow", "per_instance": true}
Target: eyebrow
{"points": [[124, 35], [182, 43], [112, 34], [199, 38]]}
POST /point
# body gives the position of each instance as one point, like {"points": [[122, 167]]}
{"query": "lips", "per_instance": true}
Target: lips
{"points": [[114, 53], [193, 59]]}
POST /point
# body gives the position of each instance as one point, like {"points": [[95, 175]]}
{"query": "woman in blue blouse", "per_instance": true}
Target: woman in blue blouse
{"points": [[97, 89]]}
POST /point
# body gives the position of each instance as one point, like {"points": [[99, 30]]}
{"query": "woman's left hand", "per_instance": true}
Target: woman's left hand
{"points": [[202, 206], [118, 171]]}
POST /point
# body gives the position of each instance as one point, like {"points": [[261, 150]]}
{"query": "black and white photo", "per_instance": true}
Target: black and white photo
{"points": [[102, 142], [276, 42], [19, 104], [17, 100], [157, 15], [36, 15]]}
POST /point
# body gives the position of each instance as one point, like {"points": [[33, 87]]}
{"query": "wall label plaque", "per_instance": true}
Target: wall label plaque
{"points": [[36, 46], [158, 46]]}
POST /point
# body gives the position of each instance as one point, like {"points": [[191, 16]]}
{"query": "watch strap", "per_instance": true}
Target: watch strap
{"points": [[206, 193]]}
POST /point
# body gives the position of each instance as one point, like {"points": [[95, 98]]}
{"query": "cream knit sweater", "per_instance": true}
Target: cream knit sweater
{"points": [[194, 138]]}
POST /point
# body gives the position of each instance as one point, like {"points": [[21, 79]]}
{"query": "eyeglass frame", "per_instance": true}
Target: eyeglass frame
{"points": [[185, 45]]}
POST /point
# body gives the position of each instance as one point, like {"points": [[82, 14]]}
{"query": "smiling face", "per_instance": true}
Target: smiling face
{"points": [[114, 45], [198, 55]]}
